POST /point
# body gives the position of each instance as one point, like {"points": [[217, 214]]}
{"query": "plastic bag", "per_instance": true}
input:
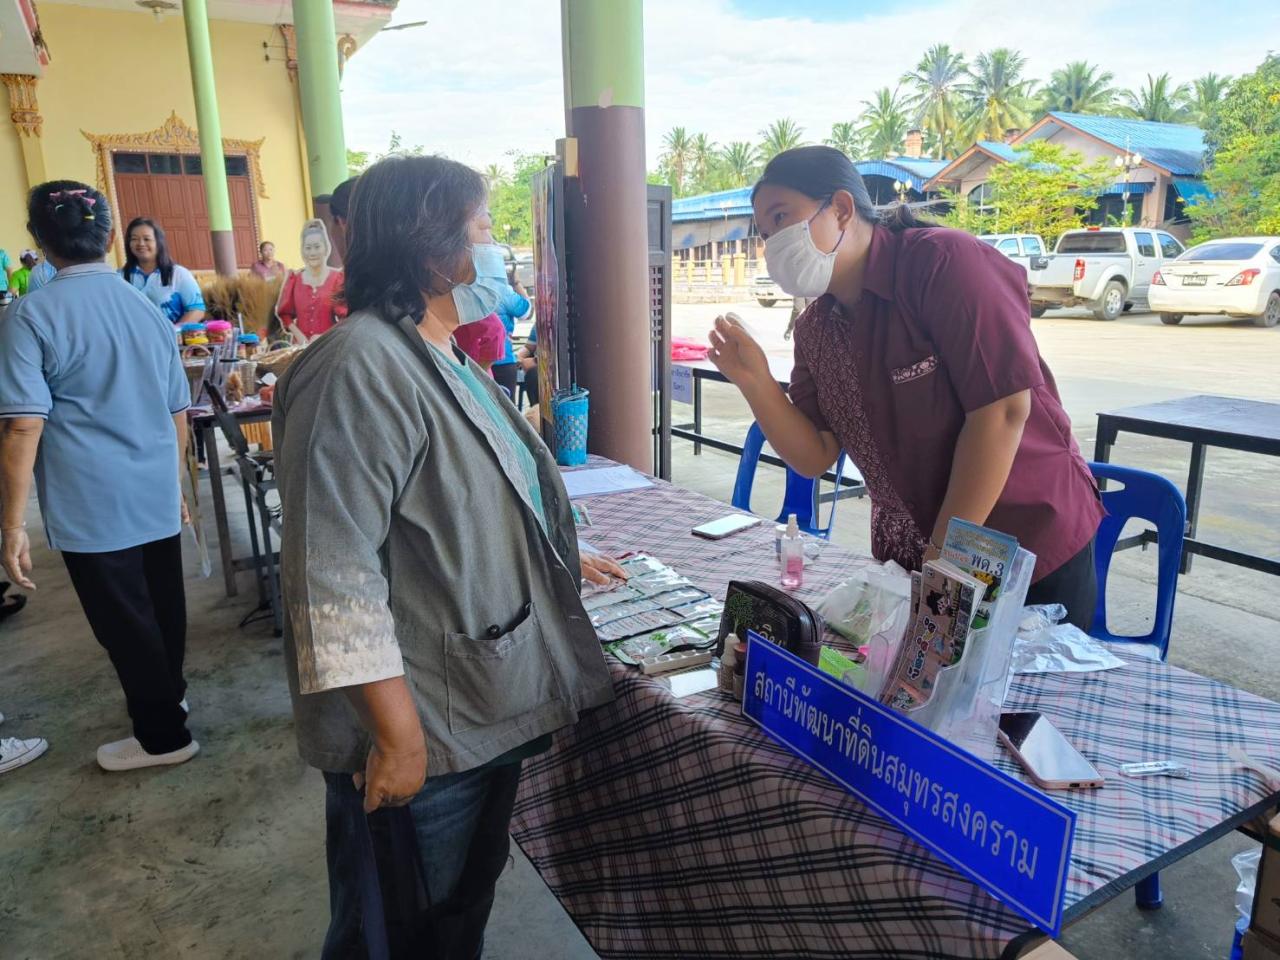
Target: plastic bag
{"points": [[871, 609], [1045, 645], [1246, 865]]}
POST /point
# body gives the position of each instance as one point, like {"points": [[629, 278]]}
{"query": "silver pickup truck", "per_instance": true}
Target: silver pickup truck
{"points": [[1105, 269]]}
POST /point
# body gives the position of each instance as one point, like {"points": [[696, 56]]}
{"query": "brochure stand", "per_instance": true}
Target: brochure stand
{"points": [[965, 707]]}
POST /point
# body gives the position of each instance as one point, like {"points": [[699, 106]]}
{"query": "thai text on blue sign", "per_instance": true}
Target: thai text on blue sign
{"points": [[1007, 837]]}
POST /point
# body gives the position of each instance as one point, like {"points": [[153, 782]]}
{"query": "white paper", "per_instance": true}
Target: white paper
{"points": [[681, 383], [603, 480], [689, 682]]}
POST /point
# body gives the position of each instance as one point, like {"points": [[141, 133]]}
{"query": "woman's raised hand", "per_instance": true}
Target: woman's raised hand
{"points": [[735, 352]]}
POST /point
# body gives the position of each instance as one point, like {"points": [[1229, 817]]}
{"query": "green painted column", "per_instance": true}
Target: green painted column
{"points": [[318, 90], [213, 164], [606, 222]]}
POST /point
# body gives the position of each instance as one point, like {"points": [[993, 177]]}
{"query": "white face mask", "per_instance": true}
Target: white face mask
{"points": [[476, 300], [796, 264]]}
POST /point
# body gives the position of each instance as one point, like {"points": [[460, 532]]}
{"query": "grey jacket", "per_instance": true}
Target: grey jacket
{"points": [[411, 547]]}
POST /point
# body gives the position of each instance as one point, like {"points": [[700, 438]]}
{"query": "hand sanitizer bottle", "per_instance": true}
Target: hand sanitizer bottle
{"points": [[792, 556]]}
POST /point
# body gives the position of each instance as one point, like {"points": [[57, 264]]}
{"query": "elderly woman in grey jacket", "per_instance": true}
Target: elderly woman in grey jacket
{"points": [[433, 626]]}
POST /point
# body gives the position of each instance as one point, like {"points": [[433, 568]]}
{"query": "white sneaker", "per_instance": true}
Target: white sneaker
{"points": [[128, 754], [15, 753]]}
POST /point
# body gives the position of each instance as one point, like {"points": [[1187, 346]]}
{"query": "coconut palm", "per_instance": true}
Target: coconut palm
{"points": [[702, 157], [495, 174], [845, 138], [677, 155], [781, 135], [739, 160], [885, 123], [1159, 100], [998, 94], [1079, 87], [1208, 93], [936, 85]]}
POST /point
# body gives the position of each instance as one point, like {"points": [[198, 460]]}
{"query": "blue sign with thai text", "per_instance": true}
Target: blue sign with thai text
{"points": [[1006, 836]]}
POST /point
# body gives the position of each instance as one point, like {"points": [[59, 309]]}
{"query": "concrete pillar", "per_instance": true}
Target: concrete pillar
{"points": [[726, 269], [739, 269], [607, 222], [688, 269], [213, 163], [318, 92]]}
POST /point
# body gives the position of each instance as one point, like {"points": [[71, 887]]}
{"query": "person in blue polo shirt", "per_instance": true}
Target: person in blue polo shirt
{"points": [[148, 266], [93, 398]]}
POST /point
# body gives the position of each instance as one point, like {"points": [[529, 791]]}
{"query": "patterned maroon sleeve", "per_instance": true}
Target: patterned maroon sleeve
{"points": [[973, 302], [803, 390]]}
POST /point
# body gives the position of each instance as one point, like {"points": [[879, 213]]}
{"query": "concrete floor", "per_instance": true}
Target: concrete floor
{"points": [[223, 857]]}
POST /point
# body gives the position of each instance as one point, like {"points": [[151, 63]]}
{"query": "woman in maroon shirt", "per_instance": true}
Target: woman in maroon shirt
{"points": [[917, 360]]}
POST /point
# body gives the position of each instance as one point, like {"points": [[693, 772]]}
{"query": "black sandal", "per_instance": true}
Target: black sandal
{"points": [[12, 604]]}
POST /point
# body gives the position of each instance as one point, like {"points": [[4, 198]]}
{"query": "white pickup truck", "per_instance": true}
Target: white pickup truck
{"points": [[1105, 269]]}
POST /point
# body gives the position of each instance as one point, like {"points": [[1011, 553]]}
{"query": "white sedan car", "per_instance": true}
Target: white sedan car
{"points": [[1239, 276]]}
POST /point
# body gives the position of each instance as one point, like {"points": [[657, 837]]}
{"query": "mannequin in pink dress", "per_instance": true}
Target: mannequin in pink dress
{"points": [[309, 304]]}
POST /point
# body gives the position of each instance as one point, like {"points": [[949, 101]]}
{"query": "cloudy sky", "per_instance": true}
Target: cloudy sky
{"points": [[483, 77]]}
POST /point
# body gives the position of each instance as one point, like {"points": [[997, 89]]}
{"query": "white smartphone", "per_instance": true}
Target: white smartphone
{"points": [[1052, 762], [725, 526]]}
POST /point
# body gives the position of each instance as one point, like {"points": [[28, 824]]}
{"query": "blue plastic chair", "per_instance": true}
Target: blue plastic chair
{"points": [[1145, 496], [800, 496]]}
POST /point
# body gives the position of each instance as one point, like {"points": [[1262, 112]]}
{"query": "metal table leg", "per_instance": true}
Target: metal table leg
{"points": [[220, 509], [1195, 480], [697, 412]]}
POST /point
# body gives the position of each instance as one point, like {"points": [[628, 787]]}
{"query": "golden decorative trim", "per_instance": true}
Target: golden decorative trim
{"points": [[346, 50], [24, 111], [172, 136], [290, 50]]}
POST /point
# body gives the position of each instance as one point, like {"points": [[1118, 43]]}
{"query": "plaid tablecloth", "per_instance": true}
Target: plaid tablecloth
{"points": [[674, 828]]}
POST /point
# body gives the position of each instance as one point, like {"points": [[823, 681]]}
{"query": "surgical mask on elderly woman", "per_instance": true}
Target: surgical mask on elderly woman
{"points": [[478, 299]]}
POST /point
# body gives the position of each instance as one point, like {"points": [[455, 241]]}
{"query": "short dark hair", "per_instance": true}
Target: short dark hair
{"points": [[340, 199], [819, 171], [70, 219], [264, 244], [164, 262], [410, 217]]}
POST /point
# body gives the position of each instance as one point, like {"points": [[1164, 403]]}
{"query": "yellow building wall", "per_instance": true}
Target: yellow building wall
{"points": [[13, 192], [118, 72]]}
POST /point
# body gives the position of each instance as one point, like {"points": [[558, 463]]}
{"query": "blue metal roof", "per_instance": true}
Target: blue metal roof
{"points": [[708, 206], [1176, 147], [1118, 188], [1001, 150], [912, 170]]}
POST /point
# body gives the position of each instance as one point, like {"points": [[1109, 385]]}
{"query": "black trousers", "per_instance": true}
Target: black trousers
{"points": [[505, 375], [136, 605], [1074, 585]]}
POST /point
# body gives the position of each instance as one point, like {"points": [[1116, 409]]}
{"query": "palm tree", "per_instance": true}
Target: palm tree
{"points": [[779, 136], [739, 161], [1079, 87], [677, 155], [998, 94], [495, 174], [702, 156], [885, 123], [937, 82], [1209, 91], [845, 138], [1159, 100]]}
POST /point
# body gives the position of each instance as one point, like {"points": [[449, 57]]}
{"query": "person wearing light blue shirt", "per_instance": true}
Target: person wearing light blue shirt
{"points": [[513, 306], [41, 273], [148, 266], [93, 398]]}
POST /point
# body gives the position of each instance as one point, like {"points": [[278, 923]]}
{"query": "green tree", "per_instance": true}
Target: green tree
{"points": [[495, 173], [396, 146], [1207, 93], [884, 124], [738, 160], [1158, 100], [937, 83], [357, 162], [1243, 132], [676, 157], [845, 138], [511, 200], [703, 154], [1079, 87], [998, 94], [1046, 190], [779, 136]]}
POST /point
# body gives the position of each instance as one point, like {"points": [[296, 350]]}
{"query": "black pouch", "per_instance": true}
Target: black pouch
{"points": [[776, 616]]}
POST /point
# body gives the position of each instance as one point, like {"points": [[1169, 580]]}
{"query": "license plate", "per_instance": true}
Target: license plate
{"points": [[1195, 280]]}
